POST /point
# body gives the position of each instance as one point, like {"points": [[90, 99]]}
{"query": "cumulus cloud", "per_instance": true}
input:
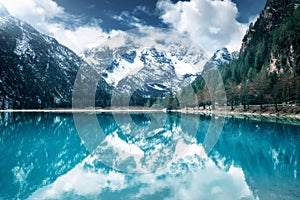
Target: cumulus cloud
{"points": [[210, 23], [51, 19]]}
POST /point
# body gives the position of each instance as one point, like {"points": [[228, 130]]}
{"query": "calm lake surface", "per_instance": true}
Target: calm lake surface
{"points": [[147, 156]]}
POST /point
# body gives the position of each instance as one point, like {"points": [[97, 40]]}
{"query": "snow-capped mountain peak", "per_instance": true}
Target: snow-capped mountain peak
{"points": [[222, 56], [160, 68], [219, 58]]}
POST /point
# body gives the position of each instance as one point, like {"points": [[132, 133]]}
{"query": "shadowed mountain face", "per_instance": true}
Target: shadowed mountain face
{"points": [[35, 70], [268, 67]]}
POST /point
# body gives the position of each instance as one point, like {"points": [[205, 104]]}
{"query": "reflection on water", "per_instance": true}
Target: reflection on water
{"points": [[43, 157], [268, 153], [35, 149]]}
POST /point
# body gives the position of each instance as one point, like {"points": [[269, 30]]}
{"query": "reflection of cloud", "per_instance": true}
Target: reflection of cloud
{"points": [[213, 183], [208, 183], [211, 23], [199, 179], [51, 19], [81, 181]]}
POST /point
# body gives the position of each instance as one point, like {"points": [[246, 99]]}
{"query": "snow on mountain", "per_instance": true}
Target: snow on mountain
{"points": [[35, 70], [220, 57], [235, 55], [162, 67]]}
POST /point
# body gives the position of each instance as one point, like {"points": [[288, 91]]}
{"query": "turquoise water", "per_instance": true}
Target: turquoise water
{"points": [[147, 156]]}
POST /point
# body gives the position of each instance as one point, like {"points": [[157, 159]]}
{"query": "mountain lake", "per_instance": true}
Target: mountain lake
{"points": [[147, 156]]}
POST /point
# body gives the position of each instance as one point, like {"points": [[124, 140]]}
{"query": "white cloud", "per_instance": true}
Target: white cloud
{"points": [[130, 20], [210, 23], [141, 9], [43, 15]]}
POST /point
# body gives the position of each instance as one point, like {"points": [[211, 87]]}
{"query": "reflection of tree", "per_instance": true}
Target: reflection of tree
{"points": [[156, 134], [34, 144], [253, 145]]}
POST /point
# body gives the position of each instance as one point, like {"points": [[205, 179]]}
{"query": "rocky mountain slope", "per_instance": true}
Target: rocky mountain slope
{"points": [[35, 70], [147, 71], [38, 72], [221, 57], [267, 69], [272, 41]]}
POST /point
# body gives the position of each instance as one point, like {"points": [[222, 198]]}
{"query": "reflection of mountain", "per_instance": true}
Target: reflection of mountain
{"points": [[35, 149], [149, 143], [45, 159], [268, 153], [192, 173]]}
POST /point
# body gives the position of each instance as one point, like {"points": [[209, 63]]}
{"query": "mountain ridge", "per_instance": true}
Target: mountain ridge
{"points": [[147, 71], [36, 71], [268, 67]]}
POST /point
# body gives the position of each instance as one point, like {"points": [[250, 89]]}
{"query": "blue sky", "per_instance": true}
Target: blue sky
{"points": [[144, 10], [79, 25]]}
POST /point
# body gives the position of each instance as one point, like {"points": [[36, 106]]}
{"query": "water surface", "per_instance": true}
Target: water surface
{"points": [[43, 156]]}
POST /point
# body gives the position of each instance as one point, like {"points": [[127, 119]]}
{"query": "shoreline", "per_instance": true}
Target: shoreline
{"points": [[66, 110], [287, 118], [243, 113], [218, 111], [292, 119]]}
